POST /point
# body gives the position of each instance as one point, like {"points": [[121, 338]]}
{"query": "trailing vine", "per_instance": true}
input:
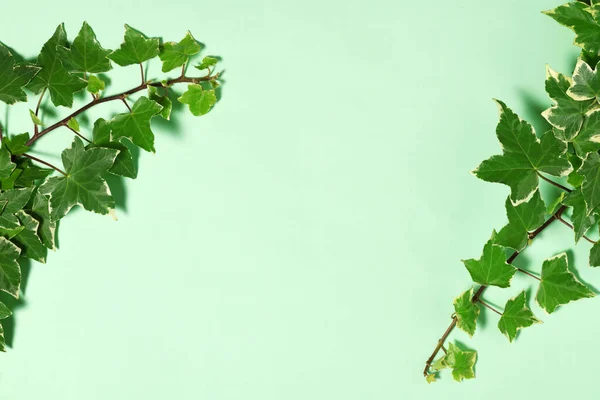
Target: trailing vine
{"points": [[569, 152], [35, 194]]}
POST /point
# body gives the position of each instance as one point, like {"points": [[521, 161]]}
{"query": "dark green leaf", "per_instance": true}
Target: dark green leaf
{"points": [[135, 125], [491, 268], [13, 77], [135, 49], [86, 54]]}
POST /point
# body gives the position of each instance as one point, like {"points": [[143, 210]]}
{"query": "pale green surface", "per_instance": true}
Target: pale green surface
{"points": [[322, 211]]}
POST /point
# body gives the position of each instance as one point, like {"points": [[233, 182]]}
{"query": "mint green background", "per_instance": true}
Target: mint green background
{"points": [[302, 241]]}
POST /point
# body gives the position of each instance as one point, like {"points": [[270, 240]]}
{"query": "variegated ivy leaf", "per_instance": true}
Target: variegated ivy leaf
{"points": [[491, 268], [581, 19], [200, 100], [586, 82], [588, 139], [524, 155], [15, 199], [4, 313], [136, 48], [135, 125], [85, 53], [207, 62], [174, 55], [466, 312], [40, 210], [582, 221], [516, 316], [6, 165], [567, 114], [595, 255], [13, 77], [124, 164], [28, 239], [95, 84], [558, 285], [83, 185], [461, 362], [574, 178], [590, 189], [164, 101], [523, 218], [10, 271]]}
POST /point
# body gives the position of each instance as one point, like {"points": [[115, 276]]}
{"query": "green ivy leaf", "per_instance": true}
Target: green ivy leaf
{"points": [[574, 178], [567, 114], [553, 206], [83, 185], [10, 271], [588, 139], [135, 49], [135, 125], [30, 173], [17, 144], [595, 255], [28, 239], [86, 54], [13, 77], [461, 362], [174, 55], [95, 84], [73, 124], [491, 268], [6, 165], [516, 316], [586, 83], [35, 119], [590, 189], [523, 218], [466, 312], [40, 209], [54, 76], [580, 18], [9, 183], [164, 101], [558, 285], [199, 99], [582, 221], [15, 199], [523, 156], [4, 313], [124, 164], [207, 62]]}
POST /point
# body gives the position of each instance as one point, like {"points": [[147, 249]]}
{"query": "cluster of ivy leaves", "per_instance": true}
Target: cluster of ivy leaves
{"points": [[34, 198], [569, 151]]}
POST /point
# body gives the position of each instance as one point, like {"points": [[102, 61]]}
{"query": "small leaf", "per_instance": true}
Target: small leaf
{"points": [[461, 362], [558, 285], [582, 221], [135, 49], [73, 124], [586, 82], [10, 271], [13, 77], [124, 164], [590, 189], [430, 378], [491, 268], [552, 207], [95, 84], [164, 101], [135, 125], [40, 209], [516, 316], [207, 62], [17, 144], [15, 199], [466, 312], [523, 218], [174, 55], [574, 179], [28, 239], [199, 99], [35, 119]]}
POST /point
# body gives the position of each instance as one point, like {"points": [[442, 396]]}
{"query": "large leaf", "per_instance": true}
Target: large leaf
{"points": [[516, 316], [135, 125], [135, 49], [491, 268], [13, 77], [580, 18], [86, 54]]}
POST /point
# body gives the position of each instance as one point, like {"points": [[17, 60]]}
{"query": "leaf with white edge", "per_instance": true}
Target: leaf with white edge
{"points": [[83, 185], [588, 139], [580, 18], [461, 362], [567, 114], [28, 239], [164, 101], [516, 316], [586, 82], [174, 55], [207, 62], [200, 100], [6, 165], [10, 271], [40, 209], [136, 48], [582, 221], [558, 285], [13, 77], [523, 156], [16, 144], [73, 124], [95, 84], [4, 313], [124, 164], [523, 218], [16, 199], [54, 76], [595, 255], [590, 189], [86, 54], [574, 178], [135, 125], [466, 312], [553, 206], [491, 269]]}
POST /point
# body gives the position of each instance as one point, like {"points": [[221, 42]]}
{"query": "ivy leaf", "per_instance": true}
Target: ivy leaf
{"points": [[6, 165], [40, 209], [430, 378], [4, 313], [595, 255], [13, 77], [553, 206], [588, 139], [28, 239], [558, 285], [491, 268], [164, 101], [17, 144], [124, 163], [174, 55], [590, 189], [207, 62], [523, 218], [466, 312], [15, 199], [35, 119], [73, 124], [10, 272], [461, 362], [135, 49], [54, 76], [86, 54], [135, 125], [83, 185], [579, 17], [574, 178], [523, 156], [516, 316], [30, 173], [199, 99], [95, 84], [586, 82], [9, 183], [582, 221], [567, 114]]}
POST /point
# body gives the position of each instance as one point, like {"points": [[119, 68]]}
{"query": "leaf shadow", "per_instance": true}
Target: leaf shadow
{"points": [[571, 258]]}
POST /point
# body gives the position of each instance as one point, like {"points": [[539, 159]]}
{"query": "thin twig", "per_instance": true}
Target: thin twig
{"points": [[558, 185], [486, 305], [142, 72], [125, 102], [572, 227], [37, 111], [78, 134], [45, 163]]}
